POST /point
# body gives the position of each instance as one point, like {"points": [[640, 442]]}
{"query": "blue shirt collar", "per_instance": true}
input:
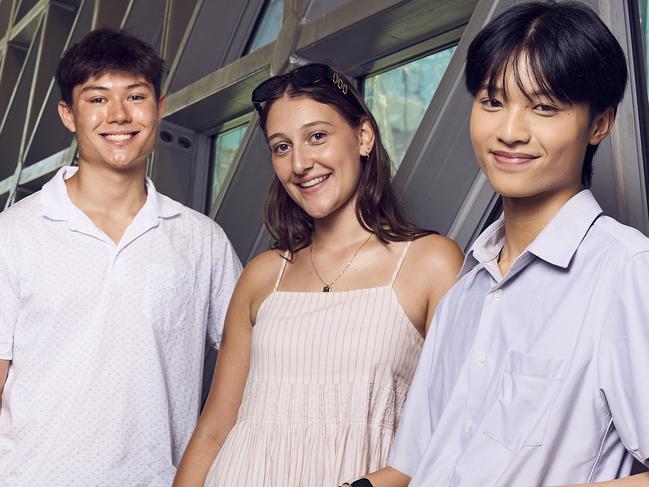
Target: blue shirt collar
{"points": [[557, 242]]}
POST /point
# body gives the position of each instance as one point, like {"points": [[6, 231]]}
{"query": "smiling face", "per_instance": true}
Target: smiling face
{"points": [[529, 147], [115, 117], [316, 154]]}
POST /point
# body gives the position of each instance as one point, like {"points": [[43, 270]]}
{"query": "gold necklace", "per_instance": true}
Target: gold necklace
{"points": [[327, 286]]}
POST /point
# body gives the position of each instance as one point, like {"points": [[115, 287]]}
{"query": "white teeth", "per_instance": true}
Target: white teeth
{"points": [[313, 182], [118, 137]]}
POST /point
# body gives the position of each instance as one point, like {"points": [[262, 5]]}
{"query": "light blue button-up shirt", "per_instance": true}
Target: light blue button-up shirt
{"points": [[540, 377]]}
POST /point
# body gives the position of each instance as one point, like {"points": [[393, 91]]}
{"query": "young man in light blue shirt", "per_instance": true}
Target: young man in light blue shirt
{"points": [[535, 371]]}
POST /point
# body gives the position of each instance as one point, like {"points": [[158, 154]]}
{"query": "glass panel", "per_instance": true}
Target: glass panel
{"points": [[318, 8], [644, 22], [271, 23], [398, 99], [224, 147]]}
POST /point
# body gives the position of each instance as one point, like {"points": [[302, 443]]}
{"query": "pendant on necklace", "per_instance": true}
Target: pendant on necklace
{"points": [[326, 289]]}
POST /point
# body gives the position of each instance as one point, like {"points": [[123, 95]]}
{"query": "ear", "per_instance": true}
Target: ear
{"points": [[67, 117], [601, 126], [162, 103], [366, 138]]}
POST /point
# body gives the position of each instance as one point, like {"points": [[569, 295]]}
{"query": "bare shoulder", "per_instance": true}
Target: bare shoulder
{"points": [[437, 254], [262, 271], [431, 267], [257, 281]]}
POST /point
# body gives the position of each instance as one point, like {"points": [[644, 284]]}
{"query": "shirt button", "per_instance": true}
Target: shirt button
{"points": [[468, 425], [498, 293], [482, 358]]}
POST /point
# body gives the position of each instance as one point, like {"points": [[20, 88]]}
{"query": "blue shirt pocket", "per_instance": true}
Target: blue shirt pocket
{"points": [[528, 387]]}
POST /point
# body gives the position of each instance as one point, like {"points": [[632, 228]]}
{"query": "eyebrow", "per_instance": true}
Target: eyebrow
{"points": [[317, 122], [532, 95], [305, 126], [496, 89], [105, 88]]}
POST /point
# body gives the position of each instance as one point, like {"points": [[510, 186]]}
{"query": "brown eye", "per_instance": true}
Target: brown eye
{"points": [[318, 137], [545, 109], [491, 103], [281, 148]]}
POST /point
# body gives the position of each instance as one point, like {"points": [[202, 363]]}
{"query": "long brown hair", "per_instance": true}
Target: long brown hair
{"points": [[377, 208]]}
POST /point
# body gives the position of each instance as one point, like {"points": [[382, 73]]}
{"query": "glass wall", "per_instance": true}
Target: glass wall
{"points": [[268, 28], [224, 147], [399, 97], [644, 22]]}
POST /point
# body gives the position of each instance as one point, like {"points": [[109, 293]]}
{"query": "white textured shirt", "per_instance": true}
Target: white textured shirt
{"points": [[106, 341], [540, 377]]}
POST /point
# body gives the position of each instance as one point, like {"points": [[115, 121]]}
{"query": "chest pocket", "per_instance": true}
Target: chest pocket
{"points": [[166, 293], [528, 388]]}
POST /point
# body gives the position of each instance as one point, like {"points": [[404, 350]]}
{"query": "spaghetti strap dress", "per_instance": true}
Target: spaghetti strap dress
{"points": [[328, 378]]}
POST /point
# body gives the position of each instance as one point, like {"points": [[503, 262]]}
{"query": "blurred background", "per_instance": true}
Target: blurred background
{"points": [[406, 57]]}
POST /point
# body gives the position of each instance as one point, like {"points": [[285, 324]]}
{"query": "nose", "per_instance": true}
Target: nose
{"points": [[514, 128], [302, 161], [118, 112]]}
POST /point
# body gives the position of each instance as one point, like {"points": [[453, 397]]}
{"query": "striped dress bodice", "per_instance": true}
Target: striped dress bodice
{"points": [[328, 377]]}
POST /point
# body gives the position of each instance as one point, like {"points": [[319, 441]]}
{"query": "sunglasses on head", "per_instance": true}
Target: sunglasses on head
{"points": [[302, 77]]}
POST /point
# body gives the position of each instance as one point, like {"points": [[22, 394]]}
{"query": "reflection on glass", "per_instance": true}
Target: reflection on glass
{"points": [[318, 8], [271, 23], [224, 147], [398, 99]]}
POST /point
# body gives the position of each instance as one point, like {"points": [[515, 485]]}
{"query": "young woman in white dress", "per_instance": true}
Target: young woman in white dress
{"points": [[324, 331]]}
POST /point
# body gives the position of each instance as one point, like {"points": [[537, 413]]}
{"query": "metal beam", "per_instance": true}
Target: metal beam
{"points": [[221, 95], [372, 31]]}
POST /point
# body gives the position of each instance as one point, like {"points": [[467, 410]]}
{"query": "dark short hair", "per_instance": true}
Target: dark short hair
{"points": [[377, 207], [573, 58], [104, 50]]}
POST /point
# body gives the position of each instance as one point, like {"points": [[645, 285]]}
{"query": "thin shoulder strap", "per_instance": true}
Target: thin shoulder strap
{"points": [[281, 269], [401, 259]]}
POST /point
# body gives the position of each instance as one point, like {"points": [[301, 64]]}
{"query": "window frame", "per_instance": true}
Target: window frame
{"points": [[212, 202], [641, 79], [258, 23]]}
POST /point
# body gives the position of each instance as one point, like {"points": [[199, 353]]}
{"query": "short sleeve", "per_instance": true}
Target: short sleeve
{"points": [[623, 360], [226, 268], [415, 427], [9, 299]]}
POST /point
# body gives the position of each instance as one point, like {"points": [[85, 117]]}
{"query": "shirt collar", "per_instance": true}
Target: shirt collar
{"points": [[557, 242], [57, 205], [560, 239], [486, 247]]}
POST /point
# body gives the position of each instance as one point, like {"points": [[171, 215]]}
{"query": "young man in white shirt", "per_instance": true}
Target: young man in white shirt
{"points": [[535, 369], [109, 289]]}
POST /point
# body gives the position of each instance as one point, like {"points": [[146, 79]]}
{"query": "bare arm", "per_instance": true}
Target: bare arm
{"points": [[430, 269], [4, 369], [639, 480], [446, 261], [228, 383], [388, 477]]}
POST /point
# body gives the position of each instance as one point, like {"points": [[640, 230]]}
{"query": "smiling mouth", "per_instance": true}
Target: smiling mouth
{"points": [[513, 158], [312, 182], [120, 137]]}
